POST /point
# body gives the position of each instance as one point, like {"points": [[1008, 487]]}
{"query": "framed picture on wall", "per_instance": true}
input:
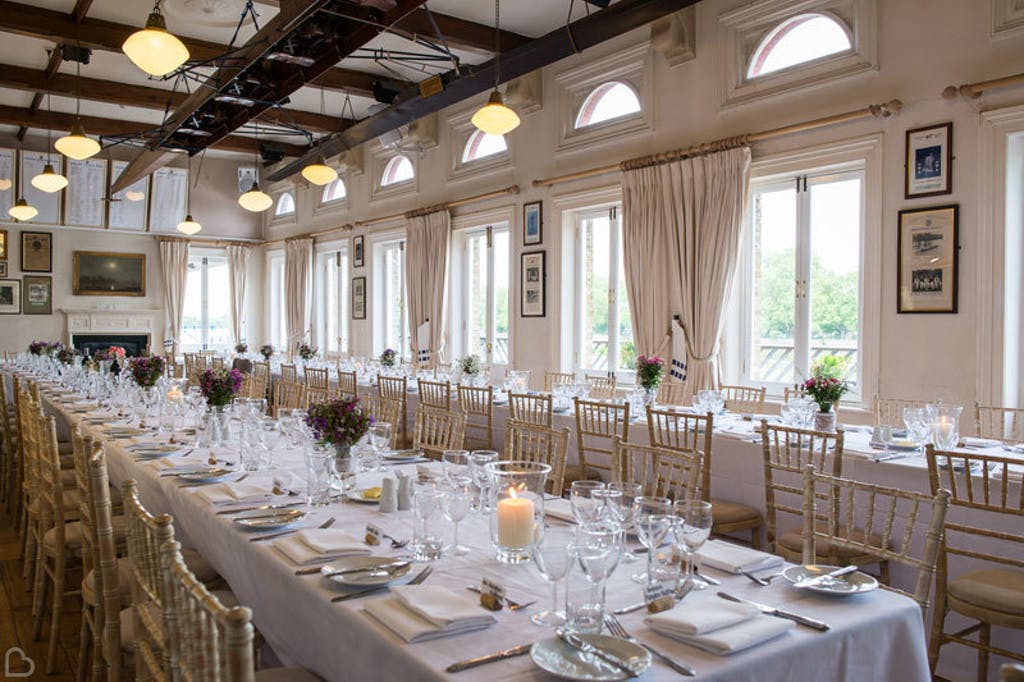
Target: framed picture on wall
{"points": [[927, 266], [358, 298], [10, 296], [36, 252], [358, 253], [532, 281], [929, 161], [98, 273], [533, 226], [3, 268], [3, 245], [37, 295]]}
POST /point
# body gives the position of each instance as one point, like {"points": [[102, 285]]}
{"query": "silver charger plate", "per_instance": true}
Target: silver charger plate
{"points": [[369, 578], [264, 519], [561, 660], [843, 586]]}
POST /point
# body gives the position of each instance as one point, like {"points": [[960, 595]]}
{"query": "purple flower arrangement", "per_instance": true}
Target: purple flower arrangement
{"points": [[340, 421], [220, 385], [649, 371], [66, 355], [388, 357], [242, 347], [147, 370], [307, 352], [266, 350], [39, 347]]}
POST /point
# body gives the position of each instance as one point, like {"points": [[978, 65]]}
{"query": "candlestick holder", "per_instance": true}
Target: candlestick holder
{"points": [[517, 501]]}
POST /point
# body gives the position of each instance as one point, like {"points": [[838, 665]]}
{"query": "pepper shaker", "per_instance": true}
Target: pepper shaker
{"points": [[388, 496], [404, 492]]}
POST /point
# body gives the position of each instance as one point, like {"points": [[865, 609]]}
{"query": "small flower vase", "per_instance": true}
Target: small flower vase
{"points": [[343, 471], [650, 394], [825, 421], [217, 425]]}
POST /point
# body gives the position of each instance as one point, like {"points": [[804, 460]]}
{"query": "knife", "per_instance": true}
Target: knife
{"points": [[779, 613], [267, 536], [574, 640], [388, 568], [261, 507], [826, 577], [489, 658]]}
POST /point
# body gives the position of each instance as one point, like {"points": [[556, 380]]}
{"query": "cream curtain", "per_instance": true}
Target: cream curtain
{"points": [[298, 266], [174, 267], [426, 276], [238, 269], [682, 244]]}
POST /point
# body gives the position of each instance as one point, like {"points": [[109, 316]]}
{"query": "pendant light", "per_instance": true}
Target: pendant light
{"points": [[256, 200], [189, 226], [76, 145], [49, 180], [494, 118], [153, 49], [318, 172], [5, 184], [22, 211]]}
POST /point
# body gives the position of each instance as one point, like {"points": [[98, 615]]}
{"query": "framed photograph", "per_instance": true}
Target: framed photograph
{"points": [[98, 273], [927, 270], [534, 277], [3, 268], [3, 245], [37, 295], [929, 161], [533, 226], [358, 298], [36, 252], [10, 296], [358, 252], [246, 176]]}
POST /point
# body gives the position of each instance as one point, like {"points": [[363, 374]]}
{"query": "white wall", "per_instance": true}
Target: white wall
{"points": [[922, 48]]}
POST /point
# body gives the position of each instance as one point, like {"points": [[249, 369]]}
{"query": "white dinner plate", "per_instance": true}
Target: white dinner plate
{"points": [[561, 660], [368, 578], [156, 452], [843, 586], [359, 495], [899, 445], [211, 475], [269, 519], [399, 455]]}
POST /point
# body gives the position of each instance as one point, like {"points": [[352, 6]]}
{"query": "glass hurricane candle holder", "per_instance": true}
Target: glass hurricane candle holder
{"points": [[517, 501]]}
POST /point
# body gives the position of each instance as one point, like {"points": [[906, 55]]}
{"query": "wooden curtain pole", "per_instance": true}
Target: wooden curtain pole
{"points": [[975, 90], [209, 242], [875, 110]]}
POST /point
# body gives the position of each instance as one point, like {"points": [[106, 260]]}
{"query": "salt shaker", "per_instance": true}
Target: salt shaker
{"points": [[404, 492], [388, 496]]}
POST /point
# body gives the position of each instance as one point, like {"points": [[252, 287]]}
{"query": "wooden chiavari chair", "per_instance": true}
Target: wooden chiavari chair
{"points": [[253, 387], [792, 392], [889, 411], [847, 506], [317, 378], [8, 446], [673, 393], [436, 430], [396, 388], [477, 402], [989, 488], [531, 409], [744, 399], [552, 379], [217, 362], [1002, 423], [661, 472], [382, 410], [31, 537], [261, 371], [108, 585], [288, 395], [315, 396], [348, 384], [597, 423], [289, 373], [692, 433], [602, 387], [526, 442], [435, 393]]}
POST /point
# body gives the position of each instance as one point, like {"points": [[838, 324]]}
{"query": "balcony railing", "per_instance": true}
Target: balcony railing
{"points": [[775, 358]]}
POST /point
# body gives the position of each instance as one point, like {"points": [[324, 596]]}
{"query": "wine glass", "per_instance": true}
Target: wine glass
{"points": [[551, 557], [622, 509], [478, 461], [691, 528], [918, 428], [652, 517], [457, 497], [380, 436], [586, 507], [455, 466]]}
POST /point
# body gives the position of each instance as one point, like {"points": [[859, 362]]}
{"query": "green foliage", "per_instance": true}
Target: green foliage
{"points": [[831, 367], [833, 299]]}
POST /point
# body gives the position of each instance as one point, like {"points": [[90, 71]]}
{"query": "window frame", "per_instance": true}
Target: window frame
{"points": [[276, 333], [783, 28], [338, 252], [278, 215], [379, 159], [324, 205], [460, 130], [608, 121], [381, 295], [204, 255]]}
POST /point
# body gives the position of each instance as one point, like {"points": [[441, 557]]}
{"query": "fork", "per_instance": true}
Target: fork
{"points": [[326, 524], [512, 605], [615, 627], [397, 544], [763, 582]]}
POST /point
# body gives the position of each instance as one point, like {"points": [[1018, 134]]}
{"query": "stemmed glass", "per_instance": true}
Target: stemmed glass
{"points": [[380, 437], [622, 509], [478, 461], [457, 497], [551, 557], [691, 528], [652, 517], [596, 550], [918, 428], [455, 466], [586, 505]]}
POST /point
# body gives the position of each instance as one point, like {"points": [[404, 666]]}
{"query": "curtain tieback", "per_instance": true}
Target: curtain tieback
{"points": [[689, 348]]}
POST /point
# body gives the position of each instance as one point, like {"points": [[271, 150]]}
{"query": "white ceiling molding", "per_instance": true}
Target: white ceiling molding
{"points": [[422, 132], [1007, 18], [675, 36], [526, 93]]}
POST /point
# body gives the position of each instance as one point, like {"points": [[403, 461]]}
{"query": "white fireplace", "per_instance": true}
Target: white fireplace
{"points": [[83, 323]]}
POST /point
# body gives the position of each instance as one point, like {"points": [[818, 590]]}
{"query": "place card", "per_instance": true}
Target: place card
{"points": [[659, 597], [492, 595], [373, 535]]}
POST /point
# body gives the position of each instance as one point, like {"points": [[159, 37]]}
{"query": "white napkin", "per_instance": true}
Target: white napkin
{"points": [[731, 558], [300, 553], [417, 613], [331, 541], [560, 509], [981, 442], [700, 615], [230, 493], [729, 640]]}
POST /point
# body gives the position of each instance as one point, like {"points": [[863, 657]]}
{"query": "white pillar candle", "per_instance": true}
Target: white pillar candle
{"points": [[515, 521]]}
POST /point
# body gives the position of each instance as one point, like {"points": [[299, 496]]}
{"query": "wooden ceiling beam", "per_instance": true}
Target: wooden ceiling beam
{"points": [[37, 100], [460, 33], [97, 125], [80, 10], [97, 34]]}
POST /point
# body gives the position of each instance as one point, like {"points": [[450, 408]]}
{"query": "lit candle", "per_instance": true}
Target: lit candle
{"points": [[515, 521], [174, 394]]}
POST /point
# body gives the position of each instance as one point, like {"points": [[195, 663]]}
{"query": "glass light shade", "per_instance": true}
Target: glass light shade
{"points": [[319, 173], [153, 49], [132, 195], [189, 226], [76, 145], [255, 199], [22, 211], [494, 118], [5, 184], [49, 180]]}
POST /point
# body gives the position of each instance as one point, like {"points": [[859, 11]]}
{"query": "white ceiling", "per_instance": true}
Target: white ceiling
{"points": [[215, 21]]}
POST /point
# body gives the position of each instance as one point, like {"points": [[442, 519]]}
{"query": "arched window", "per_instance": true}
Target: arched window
{"points": [[285, 205], [334, 191], [480, 145], [797, 40], [399, 169], [606, 102]]}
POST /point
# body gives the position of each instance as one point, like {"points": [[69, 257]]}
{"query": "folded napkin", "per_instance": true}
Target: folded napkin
{"points": [[417, 613], [314, 545], [701, 614], [230, 493], [731, 558], [559, 508], [728, 640], [981, 442]]}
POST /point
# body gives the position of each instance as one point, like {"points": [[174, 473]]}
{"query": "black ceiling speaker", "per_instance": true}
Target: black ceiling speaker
{"points": [[72, 53], [384, 92], [270, 152]]}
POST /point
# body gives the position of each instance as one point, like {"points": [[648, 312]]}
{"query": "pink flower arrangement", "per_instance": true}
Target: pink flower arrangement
{"points": [[825, 390], [340, 421], [649, 371], [112, 353], [147, 370], [219, 386]]}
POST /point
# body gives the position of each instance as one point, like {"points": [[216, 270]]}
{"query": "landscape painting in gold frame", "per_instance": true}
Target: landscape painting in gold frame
{"points": [[99, 273]]}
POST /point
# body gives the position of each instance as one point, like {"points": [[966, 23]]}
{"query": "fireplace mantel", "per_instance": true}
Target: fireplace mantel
{"points": [[97, 321]]}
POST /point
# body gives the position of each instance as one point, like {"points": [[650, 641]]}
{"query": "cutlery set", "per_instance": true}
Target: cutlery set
{"points": [[418, 580], [281, 533]]}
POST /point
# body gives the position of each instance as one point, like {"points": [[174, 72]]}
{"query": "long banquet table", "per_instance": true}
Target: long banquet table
{"points": [[876, 636]]}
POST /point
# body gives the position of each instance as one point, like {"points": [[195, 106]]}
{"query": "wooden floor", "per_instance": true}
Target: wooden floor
{"points": [[16, 619]]}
